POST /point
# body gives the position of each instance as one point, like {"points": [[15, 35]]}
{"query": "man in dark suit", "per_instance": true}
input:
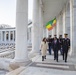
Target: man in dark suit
{"points": [[50, 44], [65, 46], [55, 46]]}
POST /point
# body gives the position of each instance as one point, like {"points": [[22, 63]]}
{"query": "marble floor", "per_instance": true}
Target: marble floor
{"points": [[48, 67], [45, 71]]}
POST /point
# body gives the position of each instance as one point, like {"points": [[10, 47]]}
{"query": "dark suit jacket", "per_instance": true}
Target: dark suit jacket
{"points": [[60, 42], [50, 41], [55, 46]]}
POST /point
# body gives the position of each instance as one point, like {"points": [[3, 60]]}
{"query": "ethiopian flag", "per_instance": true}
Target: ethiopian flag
{"points": [[51, 24]]}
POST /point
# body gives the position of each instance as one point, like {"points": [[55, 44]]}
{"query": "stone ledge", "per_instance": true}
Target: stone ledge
{"points": [[15, 65], [6, 53], [4, 63], [16, 72]]}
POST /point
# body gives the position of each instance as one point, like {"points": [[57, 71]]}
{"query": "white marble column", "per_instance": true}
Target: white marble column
{"points": [[50, 32], [13, 35], [61, 24], [73, 27], [57, 27], [5, 36], [40, 20], [35, 27], [64, 21], [44, 31], [67, 23], [9, 36], [1, 35], [47, 33], [53, 32], [21, 54]]}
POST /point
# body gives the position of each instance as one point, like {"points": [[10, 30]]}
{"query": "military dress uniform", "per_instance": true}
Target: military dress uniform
{"points": [[65, 46]]}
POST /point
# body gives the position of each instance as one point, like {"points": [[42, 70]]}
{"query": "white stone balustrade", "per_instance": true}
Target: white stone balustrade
{"points": [[7, 54]]}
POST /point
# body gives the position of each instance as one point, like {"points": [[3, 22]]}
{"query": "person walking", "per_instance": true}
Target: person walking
{"points": [[55, 46], [65, 46], [44, 47]]}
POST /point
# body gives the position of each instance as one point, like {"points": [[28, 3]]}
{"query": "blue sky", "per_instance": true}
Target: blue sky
{"points": [[8, 12]]}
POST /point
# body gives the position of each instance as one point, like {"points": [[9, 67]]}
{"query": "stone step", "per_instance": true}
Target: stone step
{"points": [[3, 72]]}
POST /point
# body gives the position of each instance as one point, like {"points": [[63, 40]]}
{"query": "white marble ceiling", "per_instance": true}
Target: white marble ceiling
{"points": [[52, 8]]}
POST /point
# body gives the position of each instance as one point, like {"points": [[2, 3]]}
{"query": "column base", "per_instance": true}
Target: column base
{"points": [[70, 52], [33, 54], [16, 63]]}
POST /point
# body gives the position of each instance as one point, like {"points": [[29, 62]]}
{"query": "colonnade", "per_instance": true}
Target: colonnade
{"points": [[39, 29], [7, 35]]}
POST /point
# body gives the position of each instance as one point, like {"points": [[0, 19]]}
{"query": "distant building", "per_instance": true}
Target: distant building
{"points": [[8, 33]]}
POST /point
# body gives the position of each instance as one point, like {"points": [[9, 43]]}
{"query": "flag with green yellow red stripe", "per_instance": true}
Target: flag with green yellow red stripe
{"points": [[51, 24]]}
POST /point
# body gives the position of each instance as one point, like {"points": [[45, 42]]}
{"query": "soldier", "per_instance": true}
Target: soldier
{"points": [[60, 42], [50, 44], [65, 46], [55, 46]]}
